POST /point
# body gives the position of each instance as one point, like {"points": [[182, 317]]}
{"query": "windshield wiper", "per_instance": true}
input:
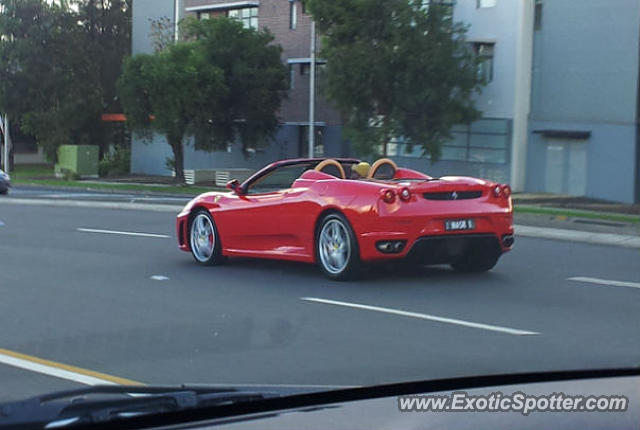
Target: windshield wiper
{"points": [[101, 404]]}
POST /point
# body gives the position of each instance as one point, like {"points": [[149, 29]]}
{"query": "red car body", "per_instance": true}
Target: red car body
{"points": [[410, 209]]}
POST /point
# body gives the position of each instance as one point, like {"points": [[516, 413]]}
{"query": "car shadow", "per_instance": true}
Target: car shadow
{"points": [[372, 274]]}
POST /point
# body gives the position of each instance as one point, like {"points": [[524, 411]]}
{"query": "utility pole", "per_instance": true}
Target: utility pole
{"points": [[312, 92], [7, 144], [176, 19]]}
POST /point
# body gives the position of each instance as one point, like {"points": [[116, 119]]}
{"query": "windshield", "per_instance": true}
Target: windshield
{"points": [[488, 221]]}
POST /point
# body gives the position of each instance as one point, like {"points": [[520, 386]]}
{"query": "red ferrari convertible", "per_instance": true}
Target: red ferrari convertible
{"points": [[331, 212]]}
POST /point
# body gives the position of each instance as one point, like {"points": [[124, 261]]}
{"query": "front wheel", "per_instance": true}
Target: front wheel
{"points": [[204, 240], [337, 248]]}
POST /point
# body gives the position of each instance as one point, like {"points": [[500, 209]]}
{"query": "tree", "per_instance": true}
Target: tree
{"points": [[220, 84], [107, 24], [106, 28], [169, 92], [46, 73], [58, 67], [398, 70]]}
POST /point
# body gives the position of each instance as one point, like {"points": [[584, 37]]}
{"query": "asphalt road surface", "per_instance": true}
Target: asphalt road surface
{"points": [[77, 290]]}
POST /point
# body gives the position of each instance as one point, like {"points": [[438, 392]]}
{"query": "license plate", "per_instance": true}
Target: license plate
{"points": [[459, 224]]}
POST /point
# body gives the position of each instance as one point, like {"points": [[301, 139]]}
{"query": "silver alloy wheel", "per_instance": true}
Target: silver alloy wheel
{"points": [[203, 238], [334, 246]]}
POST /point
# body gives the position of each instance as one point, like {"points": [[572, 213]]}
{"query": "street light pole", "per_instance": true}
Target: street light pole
{"points": [[312, 92], [7, 144], [176, 18]]}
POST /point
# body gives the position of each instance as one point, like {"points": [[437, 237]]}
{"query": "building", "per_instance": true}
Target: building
{"points": [[480, 149], [560, 111], [583, 128], [500, 32], [291, 27]]}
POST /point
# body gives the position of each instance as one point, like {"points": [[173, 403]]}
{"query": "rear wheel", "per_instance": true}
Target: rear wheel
{"points": [[476, 261], [337, 248], [204, 240]]}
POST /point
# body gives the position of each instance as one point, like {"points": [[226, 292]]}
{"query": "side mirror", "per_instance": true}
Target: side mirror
{"points": [[234, 185]]}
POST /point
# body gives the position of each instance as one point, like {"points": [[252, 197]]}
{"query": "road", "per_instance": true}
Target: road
{"points": [[133, 306]]}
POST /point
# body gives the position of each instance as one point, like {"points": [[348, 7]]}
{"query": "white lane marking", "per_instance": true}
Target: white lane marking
{"points": [[123, 233], [428, 317], [53, 371], [604, 282], [159, 278]]}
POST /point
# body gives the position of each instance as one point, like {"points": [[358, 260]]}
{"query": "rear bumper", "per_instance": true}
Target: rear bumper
{"points": [[450, 248], [427, 236]]}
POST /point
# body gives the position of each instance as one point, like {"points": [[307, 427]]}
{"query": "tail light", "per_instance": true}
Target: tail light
{"points": [[389, 196], [405, 194], [502, 191]]}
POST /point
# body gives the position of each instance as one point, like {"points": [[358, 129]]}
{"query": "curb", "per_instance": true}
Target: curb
{"points": [[106, 191], [625, 241]]}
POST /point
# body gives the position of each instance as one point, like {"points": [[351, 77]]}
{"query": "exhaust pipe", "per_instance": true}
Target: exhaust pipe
{"points": [[507, 240]]}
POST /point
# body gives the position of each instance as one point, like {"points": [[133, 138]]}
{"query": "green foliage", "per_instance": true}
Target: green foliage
{"points": [[255, 82], [69, 175], [115, 162], [222, 82], [58, 67], [161, 33], [396, 70], [177, 87], [46, 73]]}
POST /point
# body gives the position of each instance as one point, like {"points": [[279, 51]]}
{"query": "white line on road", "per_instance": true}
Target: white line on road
{"points": [[428, 317], [52, 371], [59, 370], [604, 282], [123, 233]]}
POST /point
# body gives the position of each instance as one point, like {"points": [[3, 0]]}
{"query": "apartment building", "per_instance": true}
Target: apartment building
{"points": [[291, 27], [559, 112], [583, 128], [481, 149]]}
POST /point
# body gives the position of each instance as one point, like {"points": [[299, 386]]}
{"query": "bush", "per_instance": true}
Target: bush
{"points": [[115, 162], [69, 175]]}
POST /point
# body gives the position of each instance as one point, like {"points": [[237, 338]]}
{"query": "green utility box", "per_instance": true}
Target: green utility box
{"points": [[79, 159]]}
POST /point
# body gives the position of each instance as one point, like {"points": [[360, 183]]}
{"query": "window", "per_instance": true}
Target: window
{"points": [[481, 4], [292, 76], [293, 14], [248, 16], [537, 20], [204, 15], [484, 141], [303, 141], [484, 51], [279, 179], [305, 69]]}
